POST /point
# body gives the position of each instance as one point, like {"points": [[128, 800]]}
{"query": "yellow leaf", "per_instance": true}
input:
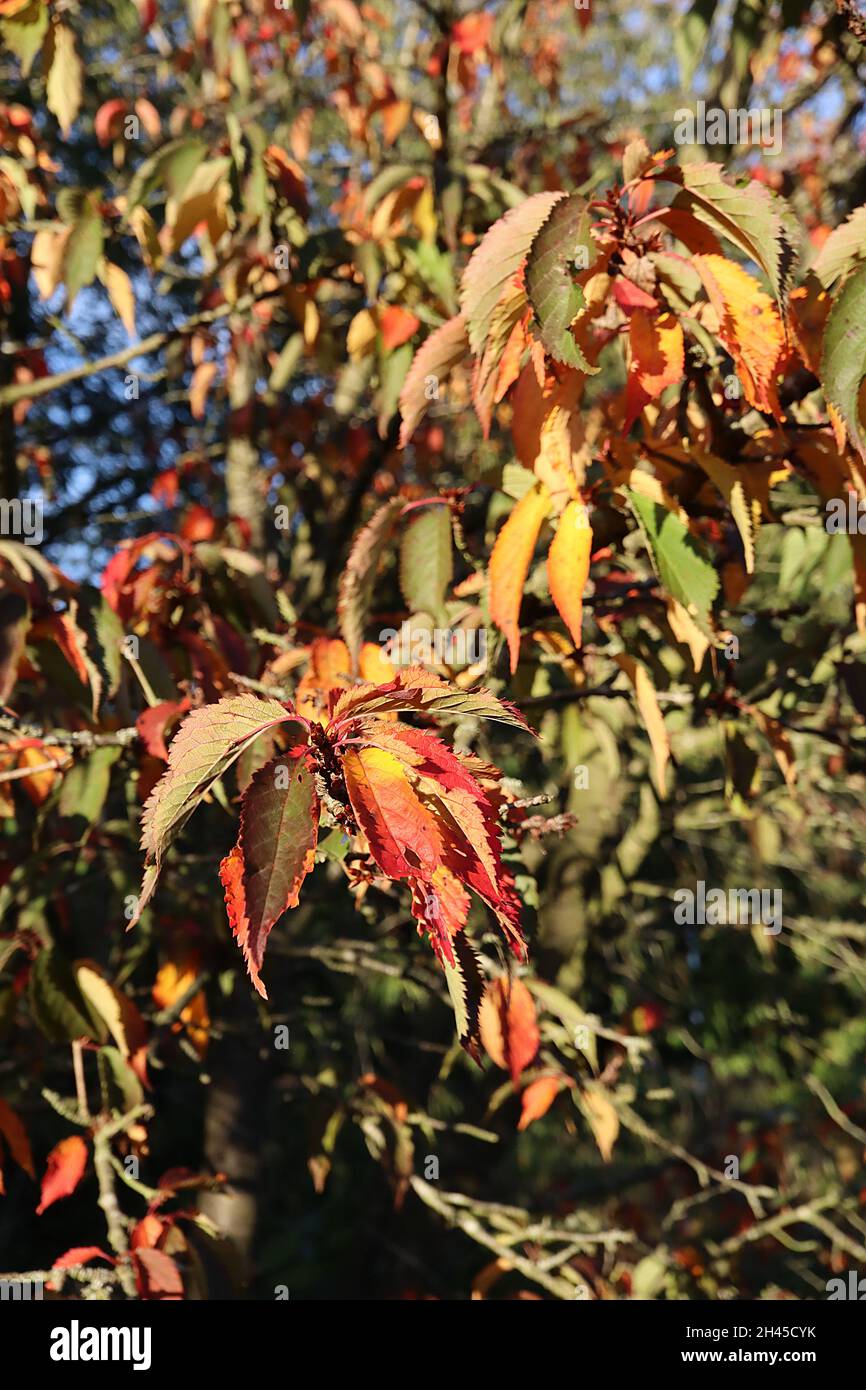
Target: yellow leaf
{"points": [[46, 259], [119, 287], [779, 741], [65, 78], [647, 703], [686, 631], [568, 566], [509, 564], [361, 337], [603, 1120]]}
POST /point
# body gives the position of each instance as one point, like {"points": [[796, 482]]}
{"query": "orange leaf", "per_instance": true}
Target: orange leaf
{"points": [[472, 33], [202, 380], [13, 1131], [538, 1098], [172, 981], [509, 564], [568, 566], [38, 786], [66, 1164], [397, 326], [749, 328], [657, 360], [509, 1029], [405, 840]]}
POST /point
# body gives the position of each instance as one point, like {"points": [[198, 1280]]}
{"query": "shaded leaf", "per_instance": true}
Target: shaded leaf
{"points": [[426, 561], [550, 286], [275, 851]]}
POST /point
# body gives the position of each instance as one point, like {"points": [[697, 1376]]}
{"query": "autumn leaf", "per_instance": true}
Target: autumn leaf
{"points": [[748, 214], [174, 979], [648, 704], [568, 566], [657, 352], [15, 1135], [65, 83], [509, 1028], [397, 326], [550, 278], [538, 1097], [66, 1164], [207, 743], [509, 564], [413, 688], [359, 576], [602, 1117], [157, 1276], [262, 875], [501, 252], [432, 364], [120, 292], [749, 327], [472, 848]]}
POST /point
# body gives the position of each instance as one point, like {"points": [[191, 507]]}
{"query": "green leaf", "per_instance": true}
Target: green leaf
{"points": [[24, 32], [690, 37], [57, 1005], [121, 1088], [749, 215], [393, 369], [747, 24], [279, 826], [85, 788], [843, 363], [550, 286], [207, 743], [426, 561], [682, 565], [286, 364], [844, 246], [172, 167], [335, 845], [500, 253], [83, 250]]}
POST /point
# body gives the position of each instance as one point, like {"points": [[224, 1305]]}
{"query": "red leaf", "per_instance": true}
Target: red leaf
{"points": [[81, 1255], [66, 1164], [472, 33], [107, 121], [629, 296], [153, 722]]}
